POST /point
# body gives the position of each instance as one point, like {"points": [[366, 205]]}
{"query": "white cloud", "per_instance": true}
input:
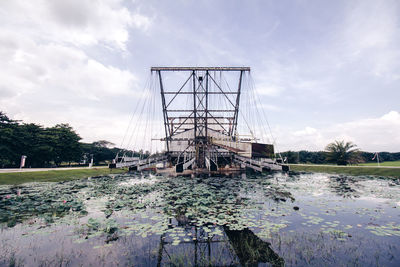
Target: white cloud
{"points": [[48, 75], [272, 80], [269, 107], [370, 24], [58, 70], [36, 86], [373, 134], [76, 22], [269, 90], [371, 36], [392, 116], [305, 132]]}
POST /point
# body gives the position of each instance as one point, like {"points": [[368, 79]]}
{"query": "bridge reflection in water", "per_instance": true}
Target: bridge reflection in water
{"points": [[232, 248]]}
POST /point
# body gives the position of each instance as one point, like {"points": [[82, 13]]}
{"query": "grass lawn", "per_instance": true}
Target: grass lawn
{"points": [[349, 170], [54, 176], [386, 163]]}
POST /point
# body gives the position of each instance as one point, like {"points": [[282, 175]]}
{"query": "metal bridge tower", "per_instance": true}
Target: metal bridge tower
{"points": [[201, 135], [202, 122]]}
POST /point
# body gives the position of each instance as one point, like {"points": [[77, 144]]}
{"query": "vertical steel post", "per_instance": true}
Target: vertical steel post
{"points": [[194, 106], [166, 124], [206, 111], [234, 128]]}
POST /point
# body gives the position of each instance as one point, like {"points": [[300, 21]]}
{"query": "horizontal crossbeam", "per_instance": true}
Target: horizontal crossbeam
{"points": [[208, 123], [200, 93], [182, 118], [200, 68], [200, 110]]}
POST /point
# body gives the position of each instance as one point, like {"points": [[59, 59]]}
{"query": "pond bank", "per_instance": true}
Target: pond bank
{"points": [[392, 172], [64, 174], [54, 175]]}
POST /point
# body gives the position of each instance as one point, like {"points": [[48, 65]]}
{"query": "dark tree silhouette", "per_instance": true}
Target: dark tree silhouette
{"points": [[342, 153]]}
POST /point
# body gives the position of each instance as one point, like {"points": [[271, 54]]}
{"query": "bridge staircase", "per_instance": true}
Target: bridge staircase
{"points": [[140, 164]]}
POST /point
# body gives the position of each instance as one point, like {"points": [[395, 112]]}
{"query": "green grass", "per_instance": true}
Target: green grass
{"points": [[54, 176], [349, 170], [386, 163]]}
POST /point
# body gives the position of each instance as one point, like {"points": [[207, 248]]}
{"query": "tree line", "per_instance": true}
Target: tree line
{"points": [[60, 144], [48, 146], [324, 157]]}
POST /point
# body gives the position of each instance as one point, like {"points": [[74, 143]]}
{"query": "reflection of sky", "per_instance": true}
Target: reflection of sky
{"points": [[325, 224], [323, 70]]}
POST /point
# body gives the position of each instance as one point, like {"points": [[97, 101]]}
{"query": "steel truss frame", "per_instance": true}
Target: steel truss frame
{"points": [[200, 116]]}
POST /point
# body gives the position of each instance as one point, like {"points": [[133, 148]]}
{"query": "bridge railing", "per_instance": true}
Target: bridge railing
{"points": [[141, 163]]}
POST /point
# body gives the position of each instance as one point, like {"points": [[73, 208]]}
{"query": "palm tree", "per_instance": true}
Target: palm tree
{"points": [[342, 153]]}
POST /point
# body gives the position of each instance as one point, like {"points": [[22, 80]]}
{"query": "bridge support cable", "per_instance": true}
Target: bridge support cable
{"points": [[122, 145], [142, 124], [200, 112], [141, 117], [263, 117]]}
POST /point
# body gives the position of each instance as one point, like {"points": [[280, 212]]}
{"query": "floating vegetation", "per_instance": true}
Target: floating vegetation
{"points": [[47, 201], [390, 229], [297, 219]]}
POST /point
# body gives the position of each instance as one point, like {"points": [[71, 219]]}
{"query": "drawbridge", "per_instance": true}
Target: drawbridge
{"points": [[201, 112]]}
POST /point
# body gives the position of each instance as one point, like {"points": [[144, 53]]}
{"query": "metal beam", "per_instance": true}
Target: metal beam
{"points": [[200, 68], [209, 123], [248, 165], [142, 167], [165, 114], [194, 104], [252, 163], [184, 117], [206, 133], [219, 123], [222, 91], [190, 110], [211, 93], [184, 122], [188, 163], [179, 91], [234, 126], [197, 117]]}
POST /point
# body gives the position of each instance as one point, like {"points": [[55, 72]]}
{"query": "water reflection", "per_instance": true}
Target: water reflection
{"points": [[251, 250], [344, 186], [222, 197], [231, 248], [203, 221]]}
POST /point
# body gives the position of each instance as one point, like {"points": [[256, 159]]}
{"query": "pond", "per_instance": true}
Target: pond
{"points": [[141, 219]]}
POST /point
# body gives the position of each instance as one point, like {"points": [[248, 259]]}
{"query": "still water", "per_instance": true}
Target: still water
{"points": [[301, 219]]}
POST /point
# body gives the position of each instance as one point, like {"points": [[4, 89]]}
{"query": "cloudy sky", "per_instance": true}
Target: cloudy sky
{"points": [[324, 70]]}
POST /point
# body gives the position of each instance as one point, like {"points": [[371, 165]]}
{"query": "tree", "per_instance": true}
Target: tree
{"points": [[342, 153], [100, 150], [65, 142], [48, 146], [103, 143], [34, 142], [8, 155], [291, 156]]}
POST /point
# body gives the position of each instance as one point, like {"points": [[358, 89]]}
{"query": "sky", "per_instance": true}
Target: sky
{"points": [[323, 70]]}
